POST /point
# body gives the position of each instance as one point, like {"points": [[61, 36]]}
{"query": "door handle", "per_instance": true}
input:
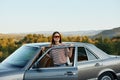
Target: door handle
{"points": [[69, 73], [98, 64]]}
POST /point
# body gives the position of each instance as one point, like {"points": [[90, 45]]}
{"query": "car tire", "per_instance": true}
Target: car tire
{"points": [[106, 76]]}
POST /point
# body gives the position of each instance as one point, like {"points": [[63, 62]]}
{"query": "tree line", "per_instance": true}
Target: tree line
{"points": [[9, 45]]}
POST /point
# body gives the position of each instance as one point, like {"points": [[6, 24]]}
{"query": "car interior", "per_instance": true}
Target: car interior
{"points": [[46, 61], [82, 56]]}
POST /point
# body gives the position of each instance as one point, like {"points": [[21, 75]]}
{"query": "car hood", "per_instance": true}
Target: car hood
{"points": [[7, 72], [114, 56], [5, 68]]}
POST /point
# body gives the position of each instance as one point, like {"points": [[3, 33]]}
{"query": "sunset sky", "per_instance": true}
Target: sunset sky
{"points": [[18, 16]]}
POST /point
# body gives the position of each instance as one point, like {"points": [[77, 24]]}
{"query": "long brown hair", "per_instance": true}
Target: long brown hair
{"points": [[53, 42]]}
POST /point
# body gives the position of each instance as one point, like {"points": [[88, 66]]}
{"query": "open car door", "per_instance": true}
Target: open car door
{"points": [[46, 71]]}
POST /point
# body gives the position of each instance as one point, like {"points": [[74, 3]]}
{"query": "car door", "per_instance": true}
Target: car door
{"points": [[61, 73], [89, 64], [48, 72]]}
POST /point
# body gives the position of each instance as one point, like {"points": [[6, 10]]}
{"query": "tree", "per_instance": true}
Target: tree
{"points": [[117, 47], [105, 44]]}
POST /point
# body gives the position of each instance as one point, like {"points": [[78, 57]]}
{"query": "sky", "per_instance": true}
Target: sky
{"points": [[19, 16]]}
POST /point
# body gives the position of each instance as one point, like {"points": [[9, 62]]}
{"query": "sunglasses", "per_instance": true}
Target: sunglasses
{"points": [[56, 36]]}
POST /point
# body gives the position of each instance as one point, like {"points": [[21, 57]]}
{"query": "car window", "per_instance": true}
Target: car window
{"points": [[47, 60], [85, 55], [21, 56], [82, 56], [90, 55]]}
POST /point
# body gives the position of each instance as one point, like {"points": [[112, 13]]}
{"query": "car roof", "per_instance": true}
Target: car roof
{"points": [[99, 53], [48, 44]]}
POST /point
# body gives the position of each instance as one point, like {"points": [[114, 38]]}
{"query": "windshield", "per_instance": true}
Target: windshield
{"points": [[21, 56]]}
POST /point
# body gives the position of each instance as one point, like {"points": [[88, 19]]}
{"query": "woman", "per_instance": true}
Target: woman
{"points": [[59, 56]]}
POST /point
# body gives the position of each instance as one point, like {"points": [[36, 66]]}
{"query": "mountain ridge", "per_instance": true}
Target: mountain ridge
{"points": [[109, 33], [91, 33]]}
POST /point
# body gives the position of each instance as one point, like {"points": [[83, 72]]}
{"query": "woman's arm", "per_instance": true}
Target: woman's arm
{"points": [[70, 51]]}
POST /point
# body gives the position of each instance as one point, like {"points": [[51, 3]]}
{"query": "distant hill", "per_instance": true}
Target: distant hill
{"points": [[109, 33], [91, 33], [72, 33], [82, 33]]}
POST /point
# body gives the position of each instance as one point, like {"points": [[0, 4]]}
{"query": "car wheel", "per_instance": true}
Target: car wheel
{"points": [[106, 76]]}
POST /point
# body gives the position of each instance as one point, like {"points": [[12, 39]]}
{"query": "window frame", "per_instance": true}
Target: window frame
{"points": [[92, 53], [86, 49], [59, 47]]}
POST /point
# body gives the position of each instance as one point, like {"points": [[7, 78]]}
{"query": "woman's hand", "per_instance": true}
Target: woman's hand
{"points": [[71, 45], [43, 48]]}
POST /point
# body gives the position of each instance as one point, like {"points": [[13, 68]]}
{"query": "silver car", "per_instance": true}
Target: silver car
{"points": [[88, 62]]}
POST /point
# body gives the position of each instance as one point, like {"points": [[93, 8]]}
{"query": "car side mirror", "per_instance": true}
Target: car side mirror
{"points": [[36, 65]]}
